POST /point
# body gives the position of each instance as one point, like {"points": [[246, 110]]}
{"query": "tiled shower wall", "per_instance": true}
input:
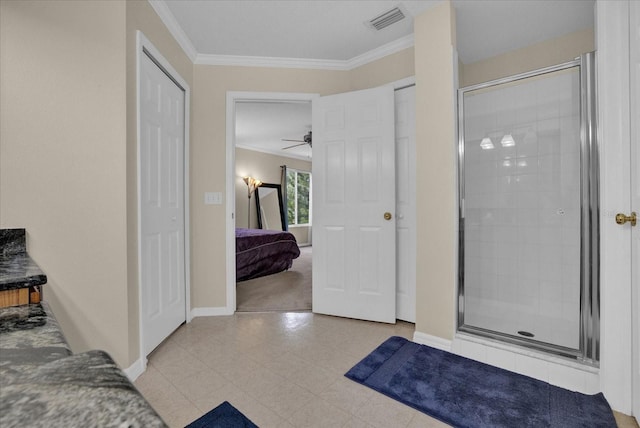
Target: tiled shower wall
{"points": [[522, 208]]}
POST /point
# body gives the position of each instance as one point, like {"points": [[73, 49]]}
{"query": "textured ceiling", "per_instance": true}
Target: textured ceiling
{"points": [[335, 30]]}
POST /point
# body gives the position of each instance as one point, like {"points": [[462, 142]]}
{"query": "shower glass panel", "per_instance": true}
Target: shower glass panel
{"points": [[524, 205]]}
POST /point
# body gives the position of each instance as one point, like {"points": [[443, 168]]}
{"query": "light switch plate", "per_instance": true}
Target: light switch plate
{"points": [[213, 198]]}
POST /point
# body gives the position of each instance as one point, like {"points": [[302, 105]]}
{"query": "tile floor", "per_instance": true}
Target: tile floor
{"points": [[280, 369]]}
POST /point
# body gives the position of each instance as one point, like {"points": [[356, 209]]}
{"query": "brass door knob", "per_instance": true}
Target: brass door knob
{"points": [[387, 216], [622, 219]]}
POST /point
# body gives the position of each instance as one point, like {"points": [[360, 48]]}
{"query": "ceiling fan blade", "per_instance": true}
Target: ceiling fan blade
{"points": [[295, 141], [295, 145]]}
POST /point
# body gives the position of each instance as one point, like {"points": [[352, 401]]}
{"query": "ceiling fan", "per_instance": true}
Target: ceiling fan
{"points": [[305, 140]]}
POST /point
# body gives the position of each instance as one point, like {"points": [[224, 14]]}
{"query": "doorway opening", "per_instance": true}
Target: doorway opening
{"points": [[242, 211], [269, 167]]}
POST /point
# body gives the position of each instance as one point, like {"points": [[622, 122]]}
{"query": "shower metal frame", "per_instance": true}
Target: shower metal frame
{"points": [[589, 341]]}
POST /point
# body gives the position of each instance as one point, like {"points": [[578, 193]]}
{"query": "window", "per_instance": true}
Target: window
{"points": [[298, 197]]}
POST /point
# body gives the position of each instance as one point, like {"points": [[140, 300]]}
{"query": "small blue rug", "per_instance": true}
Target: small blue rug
{"points": [[223, 416], [466, 393]]}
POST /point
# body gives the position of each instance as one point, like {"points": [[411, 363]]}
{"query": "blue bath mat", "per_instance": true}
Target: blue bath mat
{"points": [[466, 393], [223, 416]]}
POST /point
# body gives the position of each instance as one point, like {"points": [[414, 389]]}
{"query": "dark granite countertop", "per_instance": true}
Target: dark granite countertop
{"points": [[29, 336], [42, 384], [17, 269], [82, 390]]}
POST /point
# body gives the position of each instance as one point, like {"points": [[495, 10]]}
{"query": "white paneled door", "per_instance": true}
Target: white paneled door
{"points": [[354, 228], [162, 264], [405, 100]]}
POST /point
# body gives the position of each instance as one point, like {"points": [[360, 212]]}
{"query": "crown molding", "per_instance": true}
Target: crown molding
{"points": [[274, 152], [274, 62], [174, 28], [314, 64], [380, 52], [183, 40]]}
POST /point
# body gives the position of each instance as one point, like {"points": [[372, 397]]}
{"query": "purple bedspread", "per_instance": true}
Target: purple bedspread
{"points": [[261, 252]]}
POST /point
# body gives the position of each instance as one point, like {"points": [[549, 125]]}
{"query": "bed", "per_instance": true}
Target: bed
{"points": [[261, 252]]}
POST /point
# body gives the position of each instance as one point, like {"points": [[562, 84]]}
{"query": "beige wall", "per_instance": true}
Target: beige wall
{"points": [[435, 157], [263, 166], [544, 54], [208, 149], [68, 156], [63, 159], [141, 16], [209, 144]]}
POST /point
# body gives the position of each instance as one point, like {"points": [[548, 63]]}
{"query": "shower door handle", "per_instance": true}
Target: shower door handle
{"points": [[622, 219]]}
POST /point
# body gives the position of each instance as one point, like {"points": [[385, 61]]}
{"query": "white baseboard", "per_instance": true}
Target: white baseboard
{"points": [[136, 369], [433, 341], [211, 312]]}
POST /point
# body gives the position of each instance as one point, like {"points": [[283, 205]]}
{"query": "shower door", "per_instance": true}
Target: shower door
{"points": [[528, 211]]}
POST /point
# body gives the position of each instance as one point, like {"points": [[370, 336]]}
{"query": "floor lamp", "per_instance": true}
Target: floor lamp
{"points": [[252, 185]]}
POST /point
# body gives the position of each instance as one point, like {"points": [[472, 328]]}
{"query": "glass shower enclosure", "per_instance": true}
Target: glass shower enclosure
{"points": [[528, 198]]}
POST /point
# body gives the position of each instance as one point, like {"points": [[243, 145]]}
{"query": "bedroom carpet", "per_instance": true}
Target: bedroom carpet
{"points": [[466, 393], [283, 291]]}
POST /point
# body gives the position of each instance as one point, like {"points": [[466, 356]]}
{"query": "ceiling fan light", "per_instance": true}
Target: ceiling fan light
{"points": [[306, 139]]}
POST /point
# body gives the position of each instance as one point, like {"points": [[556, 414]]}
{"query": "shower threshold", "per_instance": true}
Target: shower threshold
{"points": [[518, 343]]}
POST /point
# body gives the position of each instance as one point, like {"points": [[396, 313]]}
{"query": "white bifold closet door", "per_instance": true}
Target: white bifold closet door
{"points": [[162, 133]]}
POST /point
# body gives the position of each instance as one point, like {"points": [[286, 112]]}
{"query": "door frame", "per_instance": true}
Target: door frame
{"points": [[399, 85], [634, 111], [612, 62], [232, 98], [143, 44]]}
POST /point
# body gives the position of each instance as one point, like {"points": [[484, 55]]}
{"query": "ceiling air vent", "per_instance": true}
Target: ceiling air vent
{"points": [[384, 20]]}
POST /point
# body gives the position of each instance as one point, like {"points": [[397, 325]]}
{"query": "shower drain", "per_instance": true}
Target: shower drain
{"points": [[525, 333]]}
